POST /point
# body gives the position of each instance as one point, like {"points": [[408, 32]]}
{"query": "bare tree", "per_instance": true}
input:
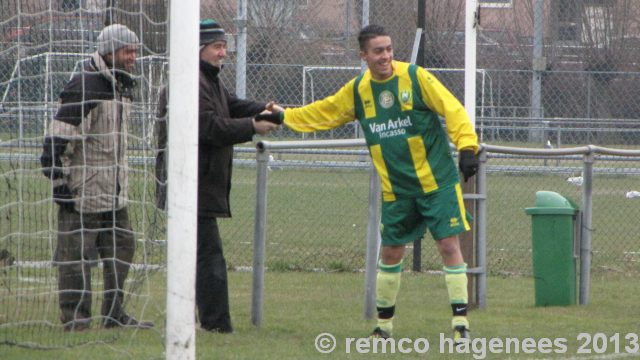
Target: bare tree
{"points": [[272, 13], [605, 33], [443, 19], [606, 29], [273, 25], [598, 36]]}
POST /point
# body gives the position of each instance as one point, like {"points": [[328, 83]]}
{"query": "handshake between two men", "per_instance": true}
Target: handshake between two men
{"points": [[269, 119]]}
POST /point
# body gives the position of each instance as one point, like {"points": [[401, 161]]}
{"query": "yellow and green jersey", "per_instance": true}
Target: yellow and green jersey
{"points": [[399, 116]]}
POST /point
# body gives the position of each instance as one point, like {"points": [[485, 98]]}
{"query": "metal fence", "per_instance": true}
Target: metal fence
{"points": [[583, 242], [549, 77], [300, 51], [326, 226]]}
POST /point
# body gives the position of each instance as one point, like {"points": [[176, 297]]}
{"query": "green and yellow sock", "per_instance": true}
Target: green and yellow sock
{"points": [[456, 279], [387, 287]]}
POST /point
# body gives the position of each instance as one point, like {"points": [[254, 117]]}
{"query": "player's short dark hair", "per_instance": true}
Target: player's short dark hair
{"points": [[369, 32]]}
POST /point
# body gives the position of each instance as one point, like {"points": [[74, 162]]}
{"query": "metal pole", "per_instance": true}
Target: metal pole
{"points": [[585, 240], [421, 25], [416, 45], [417, 243], [304, 87], [470, 73], [241, 50], [588, 96], [482, 114], [470, 36], [365, 13], [538, 67], [183, 174], [259, 236], [481, 231], [365, 22], [373, 245], [373, 226]]}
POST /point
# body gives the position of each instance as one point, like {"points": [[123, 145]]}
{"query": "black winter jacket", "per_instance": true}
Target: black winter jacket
{"points": [[224, 120]]}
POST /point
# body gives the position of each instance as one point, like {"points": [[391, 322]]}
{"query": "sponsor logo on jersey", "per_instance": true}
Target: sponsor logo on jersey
{"points": [[391, 127], [386, 99]]}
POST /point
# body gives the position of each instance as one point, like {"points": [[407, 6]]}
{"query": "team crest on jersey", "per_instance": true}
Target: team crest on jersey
{"points": [[386, 99], [405, 95]]}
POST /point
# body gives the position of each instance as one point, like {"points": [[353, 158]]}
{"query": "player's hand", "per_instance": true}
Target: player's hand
{"points": [[275, 117], [273, 107], [263, 127], [468, 163]]}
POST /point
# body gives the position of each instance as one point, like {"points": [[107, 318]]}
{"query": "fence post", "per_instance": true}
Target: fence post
{"points": [[373, 244], [467, 245], [481, 231], [585, 237], [259, 235]]}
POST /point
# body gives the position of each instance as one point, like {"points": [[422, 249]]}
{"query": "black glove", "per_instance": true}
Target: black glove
{"points": [[276, 117], [52, 149], [63, 197], [468, 163]]}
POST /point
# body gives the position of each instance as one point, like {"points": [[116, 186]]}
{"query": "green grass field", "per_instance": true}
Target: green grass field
{"points": [[317, 217], [301, 305], [317, 220]]}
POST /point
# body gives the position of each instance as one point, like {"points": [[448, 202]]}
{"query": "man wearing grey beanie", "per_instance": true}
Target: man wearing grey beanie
{"points": [[118, 46], [84, 156]]}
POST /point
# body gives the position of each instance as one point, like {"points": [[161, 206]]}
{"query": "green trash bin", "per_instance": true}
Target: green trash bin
{"points": [[553, 221]]}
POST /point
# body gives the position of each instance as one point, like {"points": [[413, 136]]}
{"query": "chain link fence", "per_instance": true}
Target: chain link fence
{"points": [[551, 73], [554, 89], [325, 226], [571, 85]]}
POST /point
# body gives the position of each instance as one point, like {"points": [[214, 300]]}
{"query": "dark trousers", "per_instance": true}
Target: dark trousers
{"points": [[212, 294], [82, 239]]}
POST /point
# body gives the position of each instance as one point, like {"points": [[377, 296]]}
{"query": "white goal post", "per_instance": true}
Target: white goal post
{"points": [[183, 172]]}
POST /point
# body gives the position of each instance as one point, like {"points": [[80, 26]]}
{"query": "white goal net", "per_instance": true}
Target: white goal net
{"points": [[45, 43]]}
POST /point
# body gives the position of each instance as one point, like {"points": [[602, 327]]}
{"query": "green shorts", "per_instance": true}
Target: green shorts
{"points": [[406, 220]]}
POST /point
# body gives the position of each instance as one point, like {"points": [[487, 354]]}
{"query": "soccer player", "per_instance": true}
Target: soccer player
{"points": [[398, 106]]}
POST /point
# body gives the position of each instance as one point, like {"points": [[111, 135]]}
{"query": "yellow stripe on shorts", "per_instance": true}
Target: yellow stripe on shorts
{"points": [[463, 211]]}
